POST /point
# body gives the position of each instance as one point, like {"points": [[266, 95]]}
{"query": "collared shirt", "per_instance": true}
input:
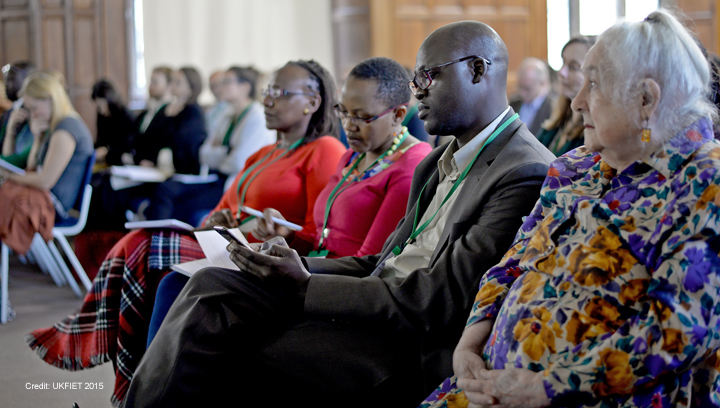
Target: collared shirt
{"points": [[451, 164], [528, 111]]}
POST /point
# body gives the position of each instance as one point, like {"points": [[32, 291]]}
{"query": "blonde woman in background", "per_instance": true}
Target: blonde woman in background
{"points": [[62, 146]]}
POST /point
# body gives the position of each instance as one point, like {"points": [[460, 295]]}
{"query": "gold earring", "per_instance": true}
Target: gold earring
{"points": [[645, 133], [306, 111]]}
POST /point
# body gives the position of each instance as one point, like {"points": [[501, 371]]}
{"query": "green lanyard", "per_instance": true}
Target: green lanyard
{"points": [[247, 172], [233, 124], [416, 231], [335, 193]]}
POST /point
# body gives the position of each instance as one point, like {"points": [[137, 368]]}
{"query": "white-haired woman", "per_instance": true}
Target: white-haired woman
{"points": [[609, 296]]}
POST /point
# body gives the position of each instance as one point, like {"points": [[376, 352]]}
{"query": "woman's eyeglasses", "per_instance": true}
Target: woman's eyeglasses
{"points": [[422, 79], [344, 115], [278, 92]]}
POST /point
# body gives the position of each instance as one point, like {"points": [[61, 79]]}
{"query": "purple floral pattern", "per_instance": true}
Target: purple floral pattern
{"points": [[612, 287]]}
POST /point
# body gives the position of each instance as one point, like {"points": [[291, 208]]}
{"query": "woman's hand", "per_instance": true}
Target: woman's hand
{"points": [[266, 228], [469, 366], [509, 387], [38, 127], [146, 163], [222, 218], [17, 117]]}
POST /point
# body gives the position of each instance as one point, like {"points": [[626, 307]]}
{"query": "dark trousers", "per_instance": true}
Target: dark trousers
{"points": [[231, 337], [172, 199]]}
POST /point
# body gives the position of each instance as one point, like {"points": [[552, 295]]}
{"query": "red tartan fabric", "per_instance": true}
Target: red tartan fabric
{"points": [[113, 320]]}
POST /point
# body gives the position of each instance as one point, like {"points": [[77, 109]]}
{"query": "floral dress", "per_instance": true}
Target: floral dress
{"points": [[611, 288]]}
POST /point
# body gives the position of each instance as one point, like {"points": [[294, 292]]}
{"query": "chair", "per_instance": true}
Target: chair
{"points": [[71, 227], [48, 256]]}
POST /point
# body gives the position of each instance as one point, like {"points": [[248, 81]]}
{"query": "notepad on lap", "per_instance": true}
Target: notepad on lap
{"points": [[11, 167], [213, 246], [171, 224]]}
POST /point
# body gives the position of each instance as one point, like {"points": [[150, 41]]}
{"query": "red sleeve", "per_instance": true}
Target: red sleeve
{"points": [[229, 198], [395, 202], [320, 168]]}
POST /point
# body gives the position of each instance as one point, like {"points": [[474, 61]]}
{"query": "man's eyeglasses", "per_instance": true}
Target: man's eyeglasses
{"points": [[344, 115], [422, 79], [278, 92]]}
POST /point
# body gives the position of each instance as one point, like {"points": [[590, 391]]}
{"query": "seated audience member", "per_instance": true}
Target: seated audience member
{"points": [[563, 131], [115, 124], [62, 145], [609, 296], [215, 113], [15, 134], [159, 96], [414, 125], [533, 101], [5, 103], [178, 127], [366, 197], [112, 324], [358, 330]]}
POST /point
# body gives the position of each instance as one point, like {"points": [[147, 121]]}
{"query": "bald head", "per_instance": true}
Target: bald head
{"points": [[533, 79], [469, 90], [465, 38]]}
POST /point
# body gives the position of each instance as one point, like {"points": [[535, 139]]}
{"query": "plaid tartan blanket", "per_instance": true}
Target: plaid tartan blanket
{"points": [[112, 323]]}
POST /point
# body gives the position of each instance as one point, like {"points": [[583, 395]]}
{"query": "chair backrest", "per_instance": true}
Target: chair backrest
{"points": [[86, 180]]}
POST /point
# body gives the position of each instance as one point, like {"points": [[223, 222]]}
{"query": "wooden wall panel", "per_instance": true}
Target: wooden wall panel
{"points": [[53, 44], [85, 40], [398, 27], [351, 25], [16, 40]]}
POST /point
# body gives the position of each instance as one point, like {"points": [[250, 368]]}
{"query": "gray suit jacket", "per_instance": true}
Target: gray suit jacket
{"points": [[435, 302], [543, 112]]}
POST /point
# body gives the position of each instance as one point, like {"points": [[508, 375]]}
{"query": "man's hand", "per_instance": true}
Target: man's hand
{"points": [[510, 387], [266, 228], [279, 265]]}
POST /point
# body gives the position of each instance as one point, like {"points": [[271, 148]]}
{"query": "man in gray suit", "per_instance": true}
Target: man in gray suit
{"points": [[534, 101], [378, 329]]}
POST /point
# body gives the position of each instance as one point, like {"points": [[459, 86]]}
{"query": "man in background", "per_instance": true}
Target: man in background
{"points": [[533, 100]]}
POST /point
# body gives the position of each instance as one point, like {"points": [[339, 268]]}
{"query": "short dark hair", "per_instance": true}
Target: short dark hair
{"points": [[104, 89], [392, 79], [195, 81], [247, 74], [323, 121], [588, 40]]}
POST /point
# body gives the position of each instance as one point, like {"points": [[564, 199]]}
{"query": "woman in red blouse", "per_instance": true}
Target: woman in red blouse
{"points": [[367, 196], [113, 321]]}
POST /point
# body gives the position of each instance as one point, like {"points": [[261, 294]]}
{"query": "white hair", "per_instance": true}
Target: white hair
{"points": [[662, 49]]}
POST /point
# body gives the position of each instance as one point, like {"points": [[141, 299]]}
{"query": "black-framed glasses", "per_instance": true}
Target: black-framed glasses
{"points": [[279, 92], [422, 79], [344, 115]]}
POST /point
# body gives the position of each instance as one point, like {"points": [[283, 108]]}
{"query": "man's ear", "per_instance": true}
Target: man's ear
{"points": [[479, 68]]}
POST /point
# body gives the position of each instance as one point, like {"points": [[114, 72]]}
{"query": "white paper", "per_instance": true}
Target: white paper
{"points": [[195, 179], [11, 167], [139, 173], [189, 268], [170, 223], [214, 244], [121, 183]]}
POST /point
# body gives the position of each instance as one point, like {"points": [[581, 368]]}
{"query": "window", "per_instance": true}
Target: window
{"points": [[567, 18]]}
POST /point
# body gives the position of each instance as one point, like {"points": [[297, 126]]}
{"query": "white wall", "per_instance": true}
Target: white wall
{"points": [[215, 34]]}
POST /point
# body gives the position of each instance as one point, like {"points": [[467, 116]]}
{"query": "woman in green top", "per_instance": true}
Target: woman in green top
{"points": [[563, 131]]}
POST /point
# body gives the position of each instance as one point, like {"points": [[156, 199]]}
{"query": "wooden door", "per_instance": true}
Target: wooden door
{"points": [[398, 27], [85, 40]]}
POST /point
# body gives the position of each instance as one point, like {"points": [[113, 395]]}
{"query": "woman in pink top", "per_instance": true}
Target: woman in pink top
{"points": [[367, 196]]}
